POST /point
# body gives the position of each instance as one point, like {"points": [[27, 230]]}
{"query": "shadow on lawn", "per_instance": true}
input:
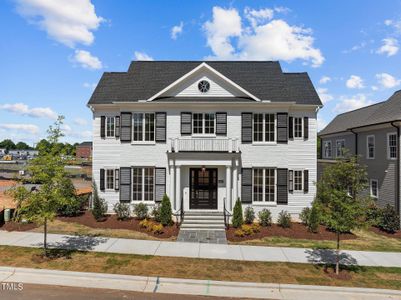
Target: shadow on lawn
{"points": [[327, 258]]}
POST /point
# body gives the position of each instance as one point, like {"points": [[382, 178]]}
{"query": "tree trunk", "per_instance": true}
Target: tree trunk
{"points": [[45, 237], [338, 254]]}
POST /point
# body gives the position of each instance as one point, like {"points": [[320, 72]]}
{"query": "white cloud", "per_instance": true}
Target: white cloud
{"points": [[395, 24], [87, 60], [69, 132], [264, 39], [324, 95], [356, 47], [321, 123], [67, 21], [25, 110], [352, 103], [374, 88], [324, 80], [389, 47], [80, 121], [29, 128], [90, 86], [142, 56], [355, 82], [177, 30], [387, 81]]}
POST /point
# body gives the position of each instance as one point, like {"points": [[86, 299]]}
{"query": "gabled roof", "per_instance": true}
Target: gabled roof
{"points": [[382, 112], [85, 144], [263, 79]]}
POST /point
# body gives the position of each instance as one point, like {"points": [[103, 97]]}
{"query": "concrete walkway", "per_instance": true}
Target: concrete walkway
{"points": [[176, 286], [200, 250]]}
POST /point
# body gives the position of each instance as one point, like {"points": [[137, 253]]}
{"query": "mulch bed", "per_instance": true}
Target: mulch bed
{"points": [[15, 226], [296, 231], [111, 222], [396, 235]]}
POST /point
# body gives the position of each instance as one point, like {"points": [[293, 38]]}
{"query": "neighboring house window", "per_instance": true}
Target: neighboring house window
{"points": [[203, 123], [264, 184], [392, 146], [298, 180], [144, 127], [327, 149], [370, 141], [143, 184], [298, 127], [340, 145], [110, 179], [110, 126], [374, 188], [263, 127]]}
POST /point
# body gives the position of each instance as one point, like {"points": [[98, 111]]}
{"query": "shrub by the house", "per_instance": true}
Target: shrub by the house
{"points": [[304, 215], [156, 212], [265, 217], [373, 214], [157, 228], [122, 211], [166, 211], [249, 215], [314, 219], [255, 227], [239, 233], [100, 207], [238, 219], [141, 211], [389, 221], [284, 219]]}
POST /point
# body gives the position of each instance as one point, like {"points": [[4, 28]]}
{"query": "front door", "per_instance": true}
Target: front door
{"points": [[203, 188]]}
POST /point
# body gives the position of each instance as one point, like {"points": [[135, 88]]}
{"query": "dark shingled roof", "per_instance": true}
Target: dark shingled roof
{"points": [[382, 112], [264, 79], [85, 144]]}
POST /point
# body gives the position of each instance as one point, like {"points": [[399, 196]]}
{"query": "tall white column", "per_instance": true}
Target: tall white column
{"points": [[228, 186], [178, 186], [172, 183], [235, 184]]}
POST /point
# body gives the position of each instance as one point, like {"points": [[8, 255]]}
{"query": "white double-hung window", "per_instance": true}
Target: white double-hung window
{"points": [[327, 149], [370, 146], [264, 127], [143, 184], [264, 184], [374, 188], [109, 179], [110, 126], [297, 127], [143, 127], [392, 146], [340, 147], [203, 123]]}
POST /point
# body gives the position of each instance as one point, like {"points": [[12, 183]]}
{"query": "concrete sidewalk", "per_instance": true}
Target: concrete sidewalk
{"points": [[194, 250], [190, 287]]}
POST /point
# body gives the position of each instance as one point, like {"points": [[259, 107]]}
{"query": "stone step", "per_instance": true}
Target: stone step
{"points": [[203, 217], [202, 226], [203, 213], [211, 222]]}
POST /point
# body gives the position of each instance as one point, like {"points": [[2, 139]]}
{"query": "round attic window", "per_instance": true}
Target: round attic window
{"points": [[203, 86]]}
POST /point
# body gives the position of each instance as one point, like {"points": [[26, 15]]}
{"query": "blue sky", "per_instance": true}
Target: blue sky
{"points": [[53, 52]]}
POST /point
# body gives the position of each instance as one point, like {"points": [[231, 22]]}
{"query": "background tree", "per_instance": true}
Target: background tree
{"points": [[339, 198], [7, 144], [48, 169], [22, 146]]}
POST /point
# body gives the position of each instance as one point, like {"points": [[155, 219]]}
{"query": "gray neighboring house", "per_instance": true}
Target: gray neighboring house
{"points": [[373, 133]]}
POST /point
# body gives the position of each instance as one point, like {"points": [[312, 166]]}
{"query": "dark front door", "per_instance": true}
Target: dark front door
{"points": [[203, 188]]}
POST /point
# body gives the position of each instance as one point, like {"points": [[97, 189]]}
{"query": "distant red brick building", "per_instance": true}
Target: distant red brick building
{"points": [[84, 150]]}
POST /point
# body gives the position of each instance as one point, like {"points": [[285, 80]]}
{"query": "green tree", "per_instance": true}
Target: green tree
{"points": [[7, 144], [238, 218], [166, 211], [48, 169], [19, 194], [43, 145], [339, 198], [22, 146], [100, 207]]}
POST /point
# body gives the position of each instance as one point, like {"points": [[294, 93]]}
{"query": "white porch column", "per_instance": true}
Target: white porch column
{"points": [[228, 186], [178, 186], [172, 183], [235, 184]]}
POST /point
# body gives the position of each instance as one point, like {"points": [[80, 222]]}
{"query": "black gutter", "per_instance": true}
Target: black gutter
{"points": [[397, 203], [356, 141]]}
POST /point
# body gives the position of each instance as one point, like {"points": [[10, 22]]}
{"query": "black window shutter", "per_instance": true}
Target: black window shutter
{"points": [[306, 181], [186, 123], [290, 180], [102, 186], [102, 126], [246, 124], [246, 185], [160, 184], [290, 127], [116, 179], [126, 127], [161, 123], [117, 127], [125, 184], [282, 189], [306, 127], [282, 127], [221, 123]]}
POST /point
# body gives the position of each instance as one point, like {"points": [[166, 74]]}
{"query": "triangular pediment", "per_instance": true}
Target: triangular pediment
{"points": [[218, 86]]}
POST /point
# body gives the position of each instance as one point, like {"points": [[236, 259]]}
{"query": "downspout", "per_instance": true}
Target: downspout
{"points": [[397, 194], [356, 141]]}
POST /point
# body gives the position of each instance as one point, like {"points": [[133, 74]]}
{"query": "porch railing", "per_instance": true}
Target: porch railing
{"points": [[227, 215], [179, 214], [204, 145]]}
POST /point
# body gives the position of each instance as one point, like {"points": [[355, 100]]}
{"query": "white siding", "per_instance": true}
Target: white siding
{"points": [[297, 154]]}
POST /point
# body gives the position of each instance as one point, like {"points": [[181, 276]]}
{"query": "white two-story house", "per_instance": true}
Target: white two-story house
{"points": [[205, 134]]}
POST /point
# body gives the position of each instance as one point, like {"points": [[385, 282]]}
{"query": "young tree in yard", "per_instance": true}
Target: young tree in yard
{"points": [[166, 211], [339, 198], [20, 194], [47, 169], [100, 207]]}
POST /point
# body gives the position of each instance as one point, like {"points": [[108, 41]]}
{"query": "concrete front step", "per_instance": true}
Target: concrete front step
{"points": [[202, 226], [192, 217], [203, 221]]}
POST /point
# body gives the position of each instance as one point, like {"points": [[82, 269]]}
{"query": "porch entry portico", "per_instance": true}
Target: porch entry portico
{"points": [[203, 188]]}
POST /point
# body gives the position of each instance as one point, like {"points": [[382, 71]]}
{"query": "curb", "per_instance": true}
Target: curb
{"points": [[189, 286]]}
